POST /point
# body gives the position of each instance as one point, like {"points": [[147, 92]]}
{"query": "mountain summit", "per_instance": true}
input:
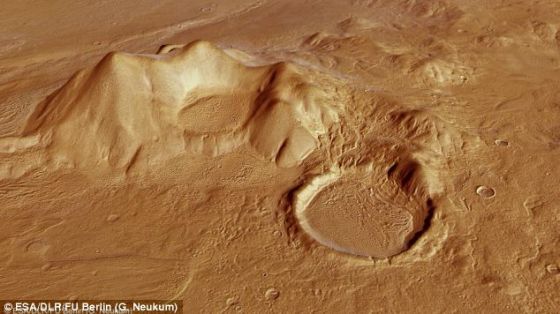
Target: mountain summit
{"points": [[198, 99]]}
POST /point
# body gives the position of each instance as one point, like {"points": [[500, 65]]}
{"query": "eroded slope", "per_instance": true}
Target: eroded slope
{"points": [[366, 166]]}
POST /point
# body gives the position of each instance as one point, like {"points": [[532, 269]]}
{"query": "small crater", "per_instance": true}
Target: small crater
{"points": [[485, 192], [552, 269], [272, 294], [36, 246], [208, 9], [502, 143], [113, 218], [232, 301], [168, 48], [544, 31]]}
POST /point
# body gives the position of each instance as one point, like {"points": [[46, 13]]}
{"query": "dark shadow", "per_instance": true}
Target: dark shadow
{"points": [[427, 223]]}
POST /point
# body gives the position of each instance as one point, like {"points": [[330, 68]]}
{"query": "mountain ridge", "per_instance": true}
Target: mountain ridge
{"points": [[130, 105]]}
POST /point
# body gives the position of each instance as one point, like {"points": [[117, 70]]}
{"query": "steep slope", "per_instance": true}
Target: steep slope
{"points": [[365, 192], [141, 109]]}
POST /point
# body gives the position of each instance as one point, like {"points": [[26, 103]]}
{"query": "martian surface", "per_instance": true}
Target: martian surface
{"points": [[260, 156]]}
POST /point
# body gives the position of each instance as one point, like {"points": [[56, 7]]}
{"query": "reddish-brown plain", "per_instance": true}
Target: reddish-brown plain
{"points": [[257, 156]]}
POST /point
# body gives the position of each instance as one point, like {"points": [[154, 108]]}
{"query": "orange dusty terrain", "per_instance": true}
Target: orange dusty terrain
{"points": [[358, 156]]}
